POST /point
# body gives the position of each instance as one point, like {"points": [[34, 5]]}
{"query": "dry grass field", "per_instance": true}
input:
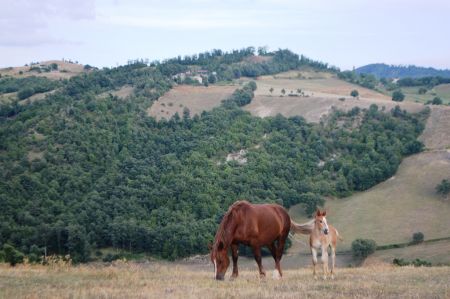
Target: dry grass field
{"points": [[164, 280], [195, 98], [437, 130], [320, 92], [65, 70]]}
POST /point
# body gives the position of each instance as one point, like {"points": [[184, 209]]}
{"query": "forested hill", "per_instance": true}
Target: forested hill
{"points": [[81, 169], [381, 70]]}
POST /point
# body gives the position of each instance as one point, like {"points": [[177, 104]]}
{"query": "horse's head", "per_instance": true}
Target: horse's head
{"points": [[321, 221], [219, 257]]}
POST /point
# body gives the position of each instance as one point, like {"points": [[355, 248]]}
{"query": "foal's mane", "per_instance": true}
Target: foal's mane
{"points": [[224, 227]]}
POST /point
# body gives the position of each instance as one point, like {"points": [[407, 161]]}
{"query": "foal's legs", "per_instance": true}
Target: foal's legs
{"points": [[234, 253], [314, 260], [325, 261], [257, 254], [333, 260]]}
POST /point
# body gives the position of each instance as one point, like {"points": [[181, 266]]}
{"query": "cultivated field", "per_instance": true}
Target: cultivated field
{"points": [[320, 91], [65, 70], [195, 98], [164, 280]]}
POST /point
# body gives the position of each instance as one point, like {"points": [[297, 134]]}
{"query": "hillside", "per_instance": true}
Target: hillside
{"points": [[85, 168], [52, 69], [381, 70]]}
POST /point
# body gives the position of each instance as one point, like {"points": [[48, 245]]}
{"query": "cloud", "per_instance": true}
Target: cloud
{"points": [[29, 22]]}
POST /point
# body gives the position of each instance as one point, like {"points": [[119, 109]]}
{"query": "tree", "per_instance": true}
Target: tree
{"points": [[443, 188], [212, 79], [398, 96], [422, 90], [417, 238], [436, 101], [354, 93], [283, 91], [12, 255], [271, 90], [363, 247]]}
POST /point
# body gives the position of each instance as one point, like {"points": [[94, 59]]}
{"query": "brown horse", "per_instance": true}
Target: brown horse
{"points": [[255, 225]]}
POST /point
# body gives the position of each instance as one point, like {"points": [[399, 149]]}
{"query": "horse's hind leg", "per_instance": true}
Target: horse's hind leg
{"points": [[235, 255], [314, 261], [333, 260], [273, 251], [257, 254], [325, 261], [279, 254]]}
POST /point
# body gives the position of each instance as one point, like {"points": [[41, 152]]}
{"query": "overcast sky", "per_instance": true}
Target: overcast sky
{"points": [[344, 33]]}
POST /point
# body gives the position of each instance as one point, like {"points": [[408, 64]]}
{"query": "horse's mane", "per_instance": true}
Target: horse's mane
{"points": [[304, 228], [222, 232]]}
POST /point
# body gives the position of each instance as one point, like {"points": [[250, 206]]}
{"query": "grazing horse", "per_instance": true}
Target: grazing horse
{"points": [[322, 236], [255, 225]]}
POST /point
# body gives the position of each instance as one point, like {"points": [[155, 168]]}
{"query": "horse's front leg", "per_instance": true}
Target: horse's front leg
{"points": [[325, 261], [235, 255], [257, 254]]}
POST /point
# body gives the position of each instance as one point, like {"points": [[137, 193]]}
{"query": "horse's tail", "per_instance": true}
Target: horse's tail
{"points": [[304, 228], [338, 235]]}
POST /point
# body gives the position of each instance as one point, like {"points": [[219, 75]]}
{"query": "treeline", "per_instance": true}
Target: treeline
{"points": [[381, 70], [80, 172], [429, 82]]}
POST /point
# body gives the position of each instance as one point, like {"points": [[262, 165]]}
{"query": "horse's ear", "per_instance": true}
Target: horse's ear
{"points": [[324, 213], [318, 212], [220, 246]]}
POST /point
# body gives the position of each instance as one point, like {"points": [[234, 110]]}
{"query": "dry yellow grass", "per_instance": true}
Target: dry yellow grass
{"points": [[157, 280], [195, 98], [437, 131]]}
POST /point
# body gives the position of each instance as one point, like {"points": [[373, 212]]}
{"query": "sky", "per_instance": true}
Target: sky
{"points": [[107, 33]]}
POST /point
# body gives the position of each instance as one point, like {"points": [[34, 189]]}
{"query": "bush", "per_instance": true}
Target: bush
{"points": [[417, 238], [354, 93], [436, 101], [12, 255], [363, 247], [416, 263], [398, 96], [25, 93]]}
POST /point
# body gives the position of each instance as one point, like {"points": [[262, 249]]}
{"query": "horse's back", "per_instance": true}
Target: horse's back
{"points": [[263, 223]]}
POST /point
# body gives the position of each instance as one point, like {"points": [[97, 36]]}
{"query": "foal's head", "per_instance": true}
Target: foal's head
{"points": [[321, 221], [219, 257]]}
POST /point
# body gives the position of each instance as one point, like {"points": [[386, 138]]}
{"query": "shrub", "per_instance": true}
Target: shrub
{"points": [[416, 263], [25, 93], [417, 238], [12, 255], [436, 101], [398, 96], [363, 247], [354, 93]]}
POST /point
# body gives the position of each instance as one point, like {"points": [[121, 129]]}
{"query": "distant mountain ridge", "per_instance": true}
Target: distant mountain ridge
{"points": [[382, 70]]}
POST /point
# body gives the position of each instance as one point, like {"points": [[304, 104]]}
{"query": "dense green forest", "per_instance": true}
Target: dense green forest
{"points": [[381, 70], [80, 172]]}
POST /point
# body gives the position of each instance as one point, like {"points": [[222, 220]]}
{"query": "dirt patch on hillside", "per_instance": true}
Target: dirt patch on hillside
{"points": [[122, 93], [196, 98], [437, 131]]}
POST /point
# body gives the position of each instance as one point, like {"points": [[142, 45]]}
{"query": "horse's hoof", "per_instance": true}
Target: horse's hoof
{"points": [[332, 276], [276, 275], [233, 277], [315, 277], [324, 277]]}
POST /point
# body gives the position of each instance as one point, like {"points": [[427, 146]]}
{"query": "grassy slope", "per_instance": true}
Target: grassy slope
{"points": [[322, 92], [393, 210], [163, 281], [65, 70]]}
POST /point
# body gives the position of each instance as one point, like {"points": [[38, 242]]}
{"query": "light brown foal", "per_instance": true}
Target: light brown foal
{"points": [[323, 236]]}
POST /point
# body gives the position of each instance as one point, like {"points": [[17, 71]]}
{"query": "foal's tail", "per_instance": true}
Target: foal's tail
{"points": [[304, 228], [338, 235]]}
